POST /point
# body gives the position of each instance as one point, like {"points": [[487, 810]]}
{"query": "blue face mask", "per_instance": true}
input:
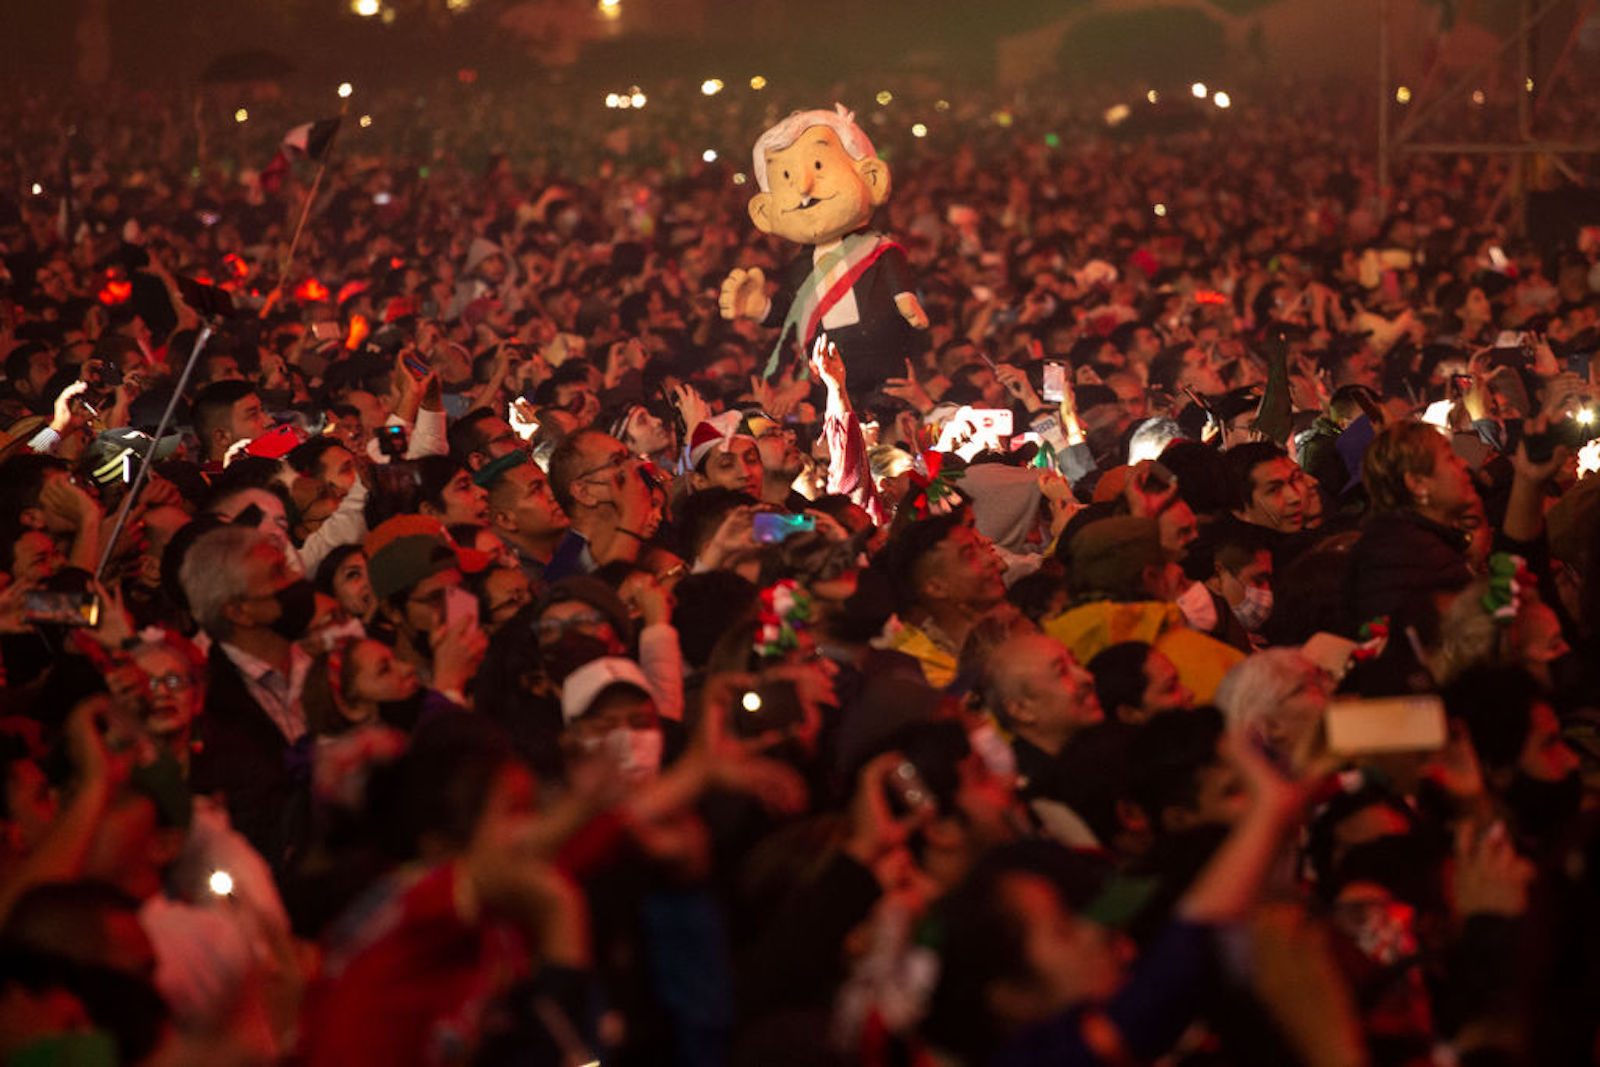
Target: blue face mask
{"points": [[1253, 611]]}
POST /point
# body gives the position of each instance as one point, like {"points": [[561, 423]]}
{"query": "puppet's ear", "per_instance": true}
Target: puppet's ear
{"points": [[875, 172], [761, 211]]}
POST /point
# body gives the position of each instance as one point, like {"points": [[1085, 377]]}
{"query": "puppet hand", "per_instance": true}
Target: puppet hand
{"points": [[911, 308], [744, 294]]}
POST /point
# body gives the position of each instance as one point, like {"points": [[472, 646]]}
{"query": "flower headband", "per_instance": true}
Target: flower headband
{"points": [[782, 611]]}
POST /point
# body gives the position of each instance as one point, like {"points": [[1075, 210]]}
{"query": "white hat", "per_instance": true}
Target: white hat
{"points": [[586, 683]]}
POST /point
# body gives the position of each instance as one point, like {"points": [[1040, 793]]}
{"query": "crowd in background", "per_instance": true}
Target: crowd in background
{"points": [[494, 664]]}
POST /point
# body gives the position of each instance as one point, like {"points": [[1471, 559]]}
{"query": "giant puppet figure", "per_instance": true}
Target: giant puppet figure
{"points": [[819, 180]]}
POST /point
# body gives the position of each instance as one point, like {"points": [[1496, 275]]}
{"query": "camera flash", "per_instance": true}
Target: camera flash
{"points": [[751, 701], [221, 883]]}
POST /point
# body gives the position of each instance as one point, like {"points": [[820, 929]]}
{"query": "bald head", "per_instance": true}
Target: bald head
{"points": [[1039, 691]]}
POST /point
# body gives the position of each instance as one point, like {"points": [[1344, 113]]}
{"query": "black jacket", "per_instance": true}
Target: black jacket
{"points": [[877, 346], [1400, 558], [245, 757]]}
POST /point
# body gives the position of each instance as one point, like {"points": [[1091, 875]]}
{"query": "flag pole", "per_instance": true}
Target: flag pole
{"points": [[305, 213]]}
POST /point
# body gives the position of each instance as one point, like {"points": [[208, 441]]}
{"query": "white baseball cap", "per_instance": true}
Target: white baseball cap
{"points": [[587, 682]]}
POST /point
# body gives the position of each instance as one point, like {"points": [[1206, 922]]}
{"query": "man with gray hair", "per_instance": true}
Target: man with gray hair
{"points": [[820, 179], [253, 608]]}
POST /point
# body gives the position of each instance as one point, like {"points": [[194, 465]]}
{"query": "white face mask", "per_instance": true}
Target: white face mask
{"points": [[1199, 610], [991, 747], [330, 636], [1253, 610], [637, 752]]}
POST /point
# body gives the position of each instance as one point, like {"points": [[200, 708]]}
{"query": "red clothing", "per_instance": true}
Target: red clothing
{"points": [[849, 472], [417, 991]]}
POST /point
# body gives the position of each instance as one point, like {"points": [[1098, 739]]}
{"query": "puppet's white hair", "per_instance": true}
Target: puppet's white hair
{"points": [[840, 120]]}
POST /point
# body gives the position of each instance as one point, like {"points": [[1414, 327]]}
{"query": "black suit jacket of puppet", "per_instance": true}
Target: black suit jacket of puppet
{"points": [[245, 757], [876, 347]]}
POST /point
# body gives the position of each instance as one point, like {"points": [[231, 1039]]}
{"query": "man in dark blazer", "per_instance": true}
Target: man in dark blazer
{"points": [[250, 604]]}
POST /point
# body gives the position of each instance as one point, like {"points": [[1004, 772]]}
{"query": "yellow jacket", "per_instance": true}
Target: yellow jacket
{"points": [[1201, 660], [938, 665]]}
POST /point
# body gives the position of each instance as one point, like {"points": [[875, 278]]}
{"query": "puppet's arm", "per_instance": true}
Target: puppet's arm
{"points": [[911, 308], [744, 295]]}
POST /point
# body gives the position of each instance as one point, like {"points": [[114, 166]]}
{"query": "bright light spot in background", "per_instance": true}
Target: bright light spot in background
{"points": [[1403, 95], [637, 99], [610, 9], [1528, 85], [366, 120], [758, 83], [739, 178], [1478, 97], [1152, 96], [345, 89], [1589, 458], [1002, 118], [709, 155], [624, 102], [241, 115], [37, 190], [711, 86], [1160, 210], [366, 8], [1052, 140], [1199, 90], [919, 130], [884, 97], [1222, 100], [1438, 413], [1585, 416], [221, 883], [457, 5], [941, 105], [613, 100], [388, 16], [751, 701], [1117, 114]]}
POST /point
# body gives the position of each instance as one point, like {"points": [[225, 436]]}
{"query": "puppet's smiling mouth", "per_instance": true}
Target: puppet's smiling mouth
{"points": [[809, 202]]}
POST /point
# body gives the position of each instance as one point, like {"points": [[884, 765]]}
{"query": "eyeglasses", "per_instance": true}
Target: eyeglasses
{"points": [[172, 683], [619, 461], [550, 627]]}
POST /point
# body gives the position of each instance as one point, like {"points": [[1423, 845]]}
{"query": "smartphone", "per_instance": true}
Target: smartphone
{"points": [[1055, 382], [1159, 477], [773, 705], [460, 604], [392, 441], [906, 789], [1386, 725], [772, 527], [63, 609], [418, 368], [275, 443], [1540, 447]]}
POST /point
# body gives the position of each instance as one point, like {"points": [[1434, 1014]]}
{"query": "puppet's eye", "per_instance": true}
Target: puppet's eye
{"points": [[818, 164], [786, 174]]}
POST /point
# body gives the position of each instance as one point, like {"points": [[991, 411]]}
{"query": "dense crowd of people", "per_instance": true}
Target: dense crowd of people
{"points": [[1191, 655]]}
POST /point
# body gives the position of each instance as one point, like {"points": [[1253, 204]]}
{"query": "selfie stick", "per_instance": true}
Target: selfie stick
{"points": [[150, 453]]}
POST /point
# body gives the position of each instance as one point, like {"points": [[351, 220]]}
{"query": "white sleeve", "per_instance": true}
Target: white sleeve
{"points": [[662, 662], [347, 525], [427, 436]]}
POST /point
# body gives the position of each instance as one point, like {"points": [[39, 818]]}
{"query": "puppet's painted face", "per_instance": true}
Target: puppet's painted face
{"points": [[818, 193]]}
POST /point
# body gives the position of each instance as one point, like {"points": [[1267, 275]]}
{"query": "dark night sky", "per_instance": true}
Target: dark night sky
{"points": [[161, 39]]}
